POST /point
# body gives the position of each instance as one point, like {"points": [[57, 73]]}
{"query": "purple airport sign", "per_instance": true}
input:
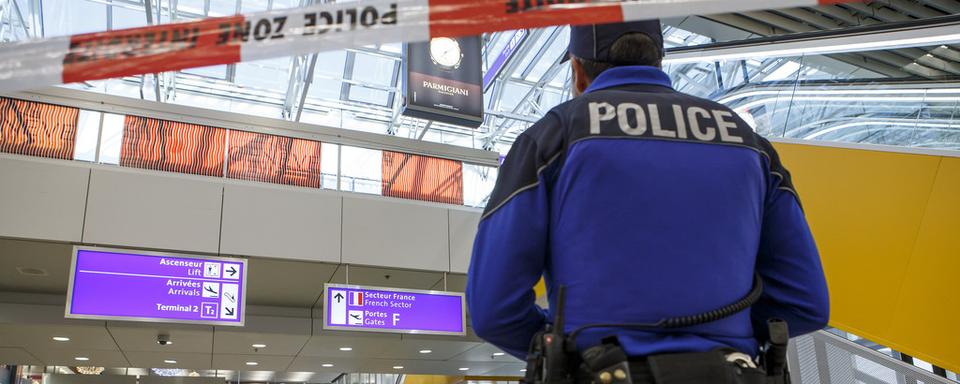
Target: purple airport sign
{"points": [[113, 284], [356, 308]]}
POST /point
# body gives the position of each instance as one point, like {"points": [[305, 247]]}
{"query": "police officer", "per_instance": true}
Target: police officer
{"points": [[644, 203]]}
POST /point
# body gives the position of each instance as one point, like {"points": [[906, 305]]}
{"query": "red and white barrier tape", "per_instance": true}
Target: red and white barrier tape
{"points": [[320, 27]]}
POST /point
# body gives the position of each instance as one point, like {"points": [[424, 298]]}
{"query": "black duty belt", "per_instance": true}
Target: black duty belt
{"points": [[554, 359], [714, 367]]}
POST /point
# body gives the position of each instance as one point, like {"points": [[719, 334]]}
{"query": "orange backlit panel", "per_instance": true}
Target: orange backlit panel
{"points": [[274, 159], [37, 129], [172, 146], [422, 178]]}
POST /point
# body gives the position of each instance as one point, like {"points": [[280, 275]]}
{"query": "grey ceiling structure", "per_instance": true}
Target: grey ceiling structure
{"points": [[359, 88]]}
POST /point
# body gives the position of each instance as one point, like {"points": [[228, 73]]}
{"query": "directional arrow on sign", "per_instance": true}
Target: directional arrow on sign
{"points": [[229, 311], [233, 271], [338, 297]]}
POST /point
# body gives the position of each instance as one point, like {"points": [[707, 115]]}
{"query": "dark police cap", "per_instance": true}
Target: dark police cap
{"points": [[593, 42]]}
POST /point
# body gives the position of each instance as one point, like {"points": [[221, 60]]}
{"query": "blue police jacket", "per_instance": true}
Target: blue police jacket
{"points": [[644, 203]]}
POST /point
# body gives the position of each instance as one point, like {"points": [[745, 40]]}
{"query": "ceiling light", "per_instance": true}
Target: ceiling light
{"points": [[425, 351], [168, 372], [397, 367], [90, 370], [498, 354], [523, 370], [61, 338], [346, 349], [464, 369], [258, 346], [81, 358], [252, 363], [326, 365], [170, 361], [36, 272], [840, 44]]}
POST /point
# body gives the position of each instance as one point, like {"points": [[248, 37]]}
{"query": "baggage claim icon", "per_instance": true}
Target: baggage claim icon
{"points": [[446, 53]]}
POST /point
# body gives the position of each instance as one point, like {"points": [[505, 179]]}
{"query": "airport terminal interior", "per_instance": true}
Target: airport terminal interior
{"points": [[300, 218]]}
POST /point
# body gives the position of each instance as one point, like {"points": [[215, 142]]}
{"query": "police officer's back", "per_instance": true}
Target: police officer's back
{"points": [[644, 203]]}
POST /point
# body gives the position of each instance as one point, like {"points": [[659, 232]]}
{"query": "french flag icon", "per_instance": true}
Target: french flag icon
{"points": [[356, 299]]}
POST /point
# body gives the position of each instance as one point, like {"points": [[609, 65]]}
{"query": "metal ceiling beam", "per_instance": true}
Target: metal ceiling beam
{"points": [[825, 23], [5, 14], [512, 66], [913, 9], [762, 29], [932, 61], [29, 32], [907, 9], [301, 76], [883, 56], [844, 15], [148, 12], [946, 53], [541, 52], [748, 24], [948, 6], [811, 18], [546, 78], [36, 23], [170, 78], [537, 88]]}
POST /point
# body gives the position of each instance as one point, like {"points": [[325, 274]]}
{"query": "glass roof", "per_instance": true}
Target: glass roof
{"points": [[359, 88]]}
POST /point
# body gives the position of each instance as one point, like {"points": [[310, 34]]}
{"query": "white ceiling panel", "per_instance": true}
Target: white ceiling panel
{"points": [[316, 364], [264, 362], [142, 337], [286, 283], [282, 336], [440, 349], [180, 380], [515, 370], [363, 345], [40, 336], [455, 283], [67, 357], [51, 260], [83, 379], [410, 366], [388, 277], [158, 360], [17, 356], [282, 377], [485, 353], [426, 367]]}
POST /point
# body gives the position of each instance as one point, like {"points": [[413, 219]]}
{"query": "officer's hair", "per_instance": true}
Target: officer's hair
{"points": [[633, 48]]}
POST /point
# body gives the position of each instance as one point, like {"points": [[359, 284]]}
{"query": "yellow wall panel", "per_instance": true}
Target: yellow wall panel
{"points": [[927, 318], [864, 208]]}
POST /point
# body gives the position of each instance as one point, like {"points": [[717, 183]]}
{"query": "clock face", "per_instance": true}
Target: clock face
{"points": [[446, 52]]}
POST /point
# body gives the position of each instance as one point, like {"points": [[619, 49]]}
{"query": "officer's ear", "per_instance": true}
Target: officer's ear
{"points": [[580, 79]]}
